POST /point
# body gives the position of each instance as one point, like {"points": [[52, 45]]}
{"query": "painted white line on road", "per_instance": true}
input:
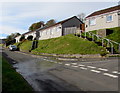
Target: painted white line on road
{"points": [[103, 69], [67, 64], [83, 68], [75, 66], [96, 71], [81, 65], [60, 63], [52, 61], [105, 61], [74, 63], [116, 72], [110, 75], [91, 67]]}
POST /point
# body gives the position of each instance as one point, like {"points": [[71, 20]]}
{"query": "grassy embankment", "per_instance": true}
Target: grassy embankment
{"points": [[115, 36], [68, 44], [11, 80]]}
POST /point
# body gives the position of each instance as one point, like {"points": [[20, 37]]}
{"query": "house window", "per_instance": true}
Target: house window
{"points": [[109, 18], [92, 21]]}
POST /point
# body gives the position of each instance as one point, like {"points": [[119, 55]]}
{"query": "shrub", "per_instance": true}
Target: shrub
{"points": [[30, 38], [22, 38]]}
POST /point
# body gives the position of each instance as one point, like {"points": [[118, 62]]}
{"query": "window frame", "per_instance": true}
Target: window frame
{"points": [[109, 18], [92, 20]]}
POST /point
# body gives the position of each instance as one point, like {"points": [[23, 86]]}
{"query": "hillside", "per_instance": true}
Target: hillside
{"points": [[68, 44]]}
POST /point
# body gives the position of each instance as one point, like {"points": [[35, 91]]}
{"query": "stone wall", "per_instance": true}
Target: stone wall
{"points": [[104, 32]]}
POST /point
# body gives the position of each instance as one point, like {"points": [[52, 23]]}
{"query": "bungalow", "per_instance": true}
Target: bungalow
{"points": [[68, 26], [106, 18], [17, 38]]}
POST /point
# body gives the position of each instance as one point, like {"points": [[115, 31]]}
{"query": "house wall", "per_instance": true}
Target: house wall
{"points": [[17, 38], [74, 22], [26, 35], [32, 33], [101, 22], [52, 32], [119, 19]]}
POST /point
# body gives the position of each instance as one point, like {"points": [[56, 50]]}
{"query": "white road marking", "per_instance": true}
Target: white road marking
{"points": [[116, 72], [67, 64], [96, 62], [91, 67], [52, 61], [83, 68], [81, 65], [60, 63], [110, 75], [103, 69], [96, 71], [74, 63], [74, 66]]}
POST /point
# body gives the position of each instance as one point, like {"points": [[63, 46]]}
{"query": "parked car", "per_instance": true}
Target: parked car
{"points": [[12, 47]]}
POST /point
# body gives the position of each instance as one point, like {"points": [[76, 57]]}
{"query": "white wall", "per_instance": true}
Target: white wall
{"points": [[51, 32], [31, 33], [17, 38], [101, 22]]}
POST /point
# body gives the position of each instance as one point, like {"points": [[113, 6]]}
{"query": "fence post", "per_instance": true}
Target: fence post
{"points": [[103, 42], [89, 34], [92, 37], [108, 42], [111, 48], [80, 33], [85, 34]]}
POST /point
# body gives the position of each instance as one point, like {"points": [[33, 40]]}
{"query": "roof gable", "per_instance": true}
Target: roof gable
{"points": [[104, 11], [61, 22]]}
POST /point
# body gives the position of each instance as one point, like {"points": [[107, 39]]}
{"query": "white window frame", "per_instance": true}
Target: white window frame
{"points": [[107, 18], [94, 22]]}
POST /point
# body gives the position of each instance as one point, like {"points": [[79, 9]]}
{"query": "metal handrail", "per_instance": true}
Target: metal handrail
{"points": [[108, 40]]}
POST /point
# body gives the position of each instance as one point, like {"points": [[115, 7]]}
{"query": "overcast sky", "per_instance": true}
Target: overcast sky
{"points": [[18, 16]]}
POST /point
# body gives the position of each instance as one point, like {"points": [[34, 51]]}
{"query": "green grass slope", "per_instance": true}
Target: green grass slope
{"points": [[115, 36], [24, 46], [12, 81], [68, 44]]}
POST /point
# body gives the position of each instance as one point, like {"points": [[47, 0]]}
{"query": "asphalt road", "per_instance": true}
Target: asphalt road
{"points": [[61, 74]]}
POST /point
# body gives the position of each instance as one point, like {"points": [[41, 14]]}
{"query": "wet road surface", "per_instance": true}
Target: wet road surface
{"points": [[61, 74]]}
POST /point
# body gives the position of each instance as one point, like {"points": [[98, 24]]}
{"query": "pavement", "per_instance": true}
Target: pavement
{"points": [[66, 75]]}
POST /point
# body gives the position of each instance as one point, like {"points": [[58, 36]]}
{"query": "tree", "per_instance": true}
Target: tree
{"points": [[35, 26], [11, 38], [50, 22], [81, 16], [30, 37], [22, 38]]}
